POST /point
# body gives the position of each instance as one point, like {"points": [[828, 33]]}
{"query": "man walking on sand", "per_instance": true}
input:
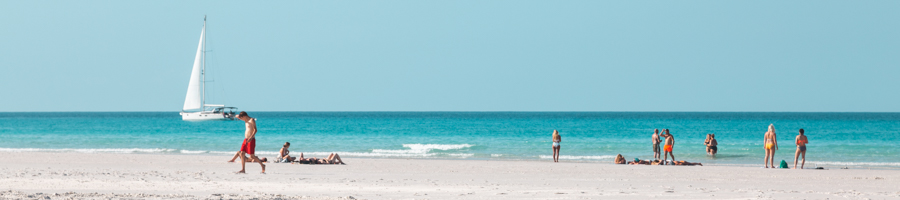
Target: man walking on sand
{"points": [[249, 145], [670, 143], [656, 141]]}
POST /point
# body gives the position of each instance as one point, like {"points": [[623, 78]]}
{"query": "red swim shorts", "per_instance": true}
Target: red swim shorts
{"points": [[667, 148], [249, 147]]}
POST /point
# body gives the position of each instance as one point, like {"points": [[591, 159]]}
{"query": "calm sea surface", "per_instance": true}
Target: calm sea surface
{"points": [[858, 140]]}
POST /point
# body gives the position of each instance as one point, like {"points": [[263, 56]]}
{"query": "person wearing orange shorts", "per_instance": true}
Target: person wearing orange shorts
{"points": [[670, 143]]}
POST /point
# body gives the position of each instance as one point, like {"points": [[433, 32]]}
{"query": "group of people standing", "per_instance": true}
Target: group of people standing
{"points": [[667, 148], [770, 144]]}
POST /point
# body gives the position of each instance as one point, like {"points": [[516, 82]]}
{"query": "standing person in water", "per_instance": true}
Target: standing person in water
{"points": [[249, 145], [771, 146], [801, 149], [670, 144], [713, 145], [556, 140], [706, 143], [656, 142]]}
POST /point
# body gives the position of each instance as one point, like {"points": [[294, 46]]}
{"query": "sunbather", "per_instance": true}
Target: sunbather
{"points": [[620, 159], [283, 154], [333, 158], [641, 162], [247, 159], [685, 163]]}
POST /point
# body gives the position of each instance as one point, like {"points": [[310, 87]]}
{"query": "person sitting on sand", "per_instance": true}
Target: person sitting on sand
{"points": [[283, 154], [712, 146], [771, 144], [685, 163], [620, 159], [801, 149], [670, 144]]}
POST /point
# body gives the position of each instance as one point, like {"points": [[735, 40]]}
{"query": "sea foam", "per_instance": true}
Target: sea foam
{"points": [[566, 157]]}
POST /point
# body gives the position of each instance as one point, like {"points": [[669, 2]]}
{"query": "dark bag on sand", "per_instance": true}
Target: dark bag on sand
{"points": [[783, 164]]}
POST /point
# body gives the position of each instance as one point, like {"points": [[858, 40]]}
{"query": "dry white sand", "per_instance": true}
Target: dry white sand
{"points": [[142, 176]]}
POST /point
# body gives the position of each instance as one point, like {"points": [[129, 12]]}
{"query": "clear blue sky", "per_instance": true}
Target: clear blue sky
{"points": [[454, 55]]}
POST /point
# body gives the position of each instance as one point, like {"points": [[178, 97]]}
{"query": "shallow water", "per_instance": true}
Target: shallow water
{"points": [[836, 139]]}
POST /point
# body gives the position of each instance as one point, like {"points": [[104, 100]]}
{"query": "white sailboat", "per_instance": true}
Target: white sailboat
{"points": [[195, 107]]}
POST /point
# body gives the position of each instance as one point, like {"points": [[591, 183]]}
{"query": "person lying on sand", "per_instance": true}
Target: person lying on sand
{"points": [[642, 162], [247, 159], [263, 159], [333, 158], [685, 163], [620, 159]]}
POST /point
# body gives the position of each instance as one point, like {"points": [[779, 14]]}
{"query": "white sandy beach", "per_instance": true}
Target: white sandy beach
{"points": [[145, 176]]}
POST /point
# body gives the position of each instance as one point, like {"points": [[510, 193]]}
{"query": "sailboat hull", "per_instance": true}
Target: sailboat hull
{"points": [[205, 116]]}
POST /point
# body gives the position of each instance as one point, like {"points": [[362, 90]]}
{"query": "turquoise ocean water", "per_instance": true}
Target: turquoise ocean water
{"points": [[857, 140]]}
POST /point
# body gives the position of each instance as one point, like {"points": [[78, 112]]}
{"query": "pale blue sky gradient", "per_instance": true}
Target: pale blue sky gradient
{"points": [[454, 55]]}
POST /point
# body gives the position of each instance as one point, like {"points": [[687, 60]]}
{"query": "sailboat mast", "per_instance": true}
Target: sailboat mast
{"points": [[203, 71]]}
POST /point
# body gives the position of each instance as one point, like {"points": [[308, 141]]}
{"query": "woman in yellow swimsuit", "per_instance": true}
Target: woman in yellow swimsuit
{"points": [[771, 146]]}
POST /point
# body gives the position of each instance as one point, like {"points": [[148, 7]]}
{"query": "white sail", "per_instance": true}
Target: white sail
{"points": [[194, 100]]}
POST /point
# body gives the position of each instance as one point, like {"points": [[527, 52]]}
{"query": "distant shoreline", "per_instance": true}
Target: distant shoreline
{"points": [[226, 155]]}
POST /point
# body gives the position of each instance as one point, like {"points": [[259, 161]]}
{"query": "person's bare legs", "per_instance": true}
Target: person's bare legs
{"points": [[656, 154], [235, 156], [243, 163], [804, 160], [338, 158], [796, 155], [557, 153], [554, 153], [256, 159], [766, 162], [666, 157], [772, 159], [673, 155]]}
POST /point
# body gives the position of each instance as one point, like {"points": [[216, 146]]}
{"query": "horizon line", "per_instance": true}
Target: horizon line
{"points": [[499, 111]]}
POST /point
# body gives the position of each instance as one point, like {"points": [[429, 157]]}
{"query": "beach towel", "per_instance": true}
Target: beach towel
{"points": [[783, 164]]}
